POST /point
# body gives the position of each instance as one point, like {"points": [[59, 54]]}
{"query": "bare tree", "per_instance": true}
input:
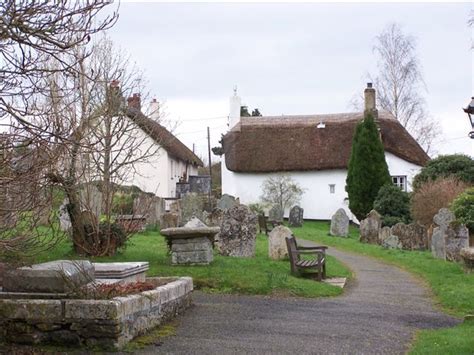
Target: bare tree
{"points": [[400, 84], [106, 141], [32, 35], [281, 190]]}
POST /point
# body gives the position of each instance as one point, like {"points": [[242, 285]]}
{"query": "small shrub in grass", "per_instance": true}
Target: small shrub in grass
{"points": [[463, 208], [393, 205], [427, 200]]}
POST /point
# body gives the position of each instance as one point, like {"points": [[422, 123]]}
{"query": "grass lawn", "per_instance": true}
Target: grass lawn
{"points": [[259, 275], [452, 288]]}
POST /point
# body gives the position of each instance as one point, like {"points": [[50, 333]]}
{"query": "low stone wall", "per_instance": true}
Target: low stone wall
{"points": [[106, 324]]}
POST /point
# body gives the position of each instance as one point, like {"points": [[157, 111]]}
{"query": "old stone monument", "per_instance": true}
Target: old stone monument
{"points": [[226, 202], [370, 227], [191, 244], [277, 242], [150, 206], [295, 218], [238, 232], [448, 238], [275, 214], [58, 276], [411, 236], [339, 224]]}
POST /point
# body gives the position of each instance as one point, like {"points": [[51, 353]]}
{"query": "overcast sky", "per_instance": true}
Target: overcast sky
{"points": [[291, 59]]}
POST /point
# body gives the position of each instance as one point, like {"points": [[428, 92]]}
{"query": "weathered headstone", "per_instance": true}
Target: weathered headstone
{"points": [[411, 236], [226, 202], [238, 232], [457, 238], [339, 224], [58, 276], [448, 237], [168, 220], [276, 214], [295, 218], [149, 206], [192, 205], [467, 254], [64, 220], [213, 218], [277, 242], [392, 242], [370, 227]]}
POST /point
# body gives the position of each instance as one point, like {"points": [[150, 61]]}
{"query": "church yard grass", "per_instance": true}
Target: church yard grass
{"points": [[252, 276]]}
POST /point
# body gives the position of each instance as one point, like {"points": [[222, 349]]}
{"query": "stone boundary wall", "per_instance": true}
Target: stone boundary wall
{"points": [[105, 324]]}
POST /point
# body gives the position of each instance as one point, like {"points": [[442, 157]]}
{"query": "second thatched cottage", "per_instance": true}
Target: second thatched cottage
{"points": [[314, 150]]}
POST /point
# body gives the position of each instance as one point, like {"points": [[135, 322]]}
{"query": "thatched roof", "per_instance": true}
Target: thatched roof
{"points": [[163, 137], [295, 143]]}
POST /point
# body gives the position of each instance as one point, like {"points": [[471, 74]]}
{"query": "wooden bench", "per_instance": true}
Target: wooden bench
{"points": [[263, 223], [315, 267]]}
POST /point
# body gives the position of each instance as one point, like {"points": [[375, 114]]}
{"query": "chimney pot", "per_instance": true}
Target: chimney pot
{"points": [[369, 85], [134, 102]]}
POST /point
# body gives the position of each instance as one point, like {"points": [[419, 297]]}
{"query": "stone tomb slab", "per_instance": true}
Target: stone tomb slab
{"points": [[51, 277], [122, 271]]}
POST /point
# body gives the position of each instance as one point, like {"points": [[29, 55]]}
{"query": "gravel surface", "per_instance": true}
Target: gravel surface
{"points": [[378, 314]]}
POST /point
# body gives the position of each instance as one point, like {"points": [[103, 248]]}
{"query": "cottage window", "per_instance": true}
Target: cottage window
{"points": [[332, 188], [400, 181]]}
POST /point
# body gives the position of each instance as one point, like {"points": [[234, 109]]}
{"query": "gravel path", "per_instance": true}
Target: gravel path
{"points": [[378, 314]]}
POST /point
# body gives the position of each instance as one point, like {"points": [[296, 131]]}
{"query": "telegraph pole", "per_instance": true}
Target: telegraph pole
{"points": [[210, 168]]}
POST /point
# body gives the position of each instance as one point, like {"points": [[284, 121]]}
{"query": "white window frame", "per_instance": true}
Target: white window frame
{"points": [[400, 181], [332, 188]]}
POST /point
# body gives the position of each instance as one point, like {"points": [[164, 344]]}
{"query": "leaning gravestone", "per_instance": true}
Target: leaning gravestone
{"points": [[276, 214], [370, 227], [226, 202], [277, 242], [339, 224], [295, 218], [238, 232], [58, 276]]}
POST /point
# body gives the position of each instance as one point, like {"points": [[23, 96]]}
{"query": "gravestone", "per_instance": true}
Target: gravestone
{"points": [[370, 227], [277, 242], [387, 239], [339, 224], [191, 205], [448, 237], [295, 218], [58, 276], [64, 220], [121, 272], [226, 202], [150, 206], [411, 236], [467, 254], [168, 220], [238, 232], [275, 214]]}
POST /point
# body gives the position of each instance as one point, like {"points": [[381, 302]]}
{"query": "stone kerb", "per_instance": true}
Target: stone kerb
{"points": [[102, 323]]}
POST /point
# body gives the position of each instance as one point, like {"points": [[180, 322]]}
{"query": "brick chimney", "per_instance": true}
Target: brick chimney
{"points": [[370, 105], [155, 110], [134, 102]]}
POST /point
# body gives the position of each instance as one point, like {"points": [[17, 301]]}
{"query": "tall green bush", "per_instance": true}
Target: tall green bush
{"points": [[463, 208], [459, 166], [367, 170], [393, 204]]}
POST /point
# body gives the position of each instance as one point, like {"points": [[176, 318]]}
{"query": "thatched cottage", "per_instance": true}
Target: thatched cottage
{"points": [[314, 150]]}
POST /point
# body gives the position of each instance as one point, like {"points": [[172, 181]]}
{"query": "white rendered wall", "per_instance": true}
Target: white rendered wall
{"points": [[397, 166], [317, 201]]}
